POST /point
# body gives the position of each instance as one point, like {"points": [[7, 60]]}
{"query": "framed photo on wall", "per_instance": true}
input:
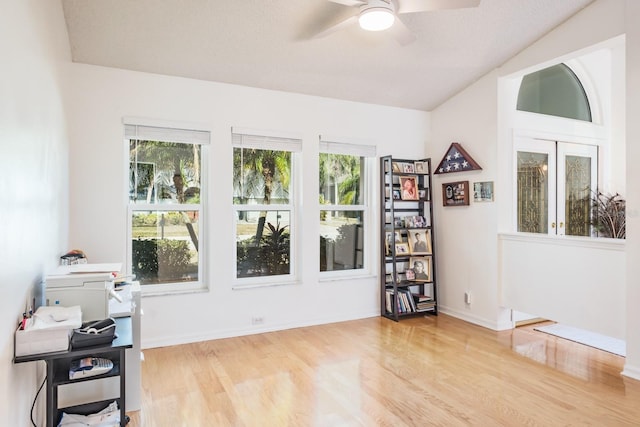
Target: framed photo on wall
{"points": [[483, 191], [455, 193]]}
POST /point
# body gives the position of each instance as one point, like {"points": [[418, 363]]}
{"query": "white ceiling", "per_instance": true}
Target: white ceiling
{"points": [[269, 44]]}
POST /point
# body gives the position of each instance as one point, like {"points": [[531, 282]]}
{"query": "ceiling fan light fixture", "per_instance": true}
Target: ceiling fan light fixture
{"points": [[376, 19]]}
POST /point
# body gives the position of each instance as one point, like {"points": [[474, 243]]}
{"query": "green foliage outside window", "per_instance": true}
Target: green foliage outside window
{"points": [[162, 260]]}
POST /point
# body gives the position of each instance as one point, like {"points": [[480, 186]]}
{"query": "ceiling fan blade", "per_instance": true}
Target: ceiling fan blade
{"points": [[411, 6], [401, 33], [337, 27], [349, 2]]}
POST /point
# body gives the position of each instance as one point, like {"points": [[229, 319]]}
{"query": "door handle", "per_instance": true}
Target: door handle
{"points": [[553, 225]]}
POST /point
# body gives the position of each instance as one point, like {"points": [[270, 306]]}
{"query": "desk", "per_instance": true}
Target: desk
{"points": [[58, 373]]}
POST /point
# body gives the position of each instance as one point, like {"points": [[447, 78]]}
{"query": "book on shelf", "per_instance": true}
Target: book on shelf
{"points": [[404, 301], [421, 298]]}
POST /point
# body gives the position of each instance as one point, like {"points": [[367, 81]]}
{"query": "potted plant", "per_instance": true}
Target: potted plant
{"points": [[609, 215]]}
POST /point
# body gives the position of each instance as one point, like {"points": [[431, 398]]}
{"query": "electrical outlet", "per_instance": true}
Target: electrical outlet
{"points": [[467, 297], [257, 320]]}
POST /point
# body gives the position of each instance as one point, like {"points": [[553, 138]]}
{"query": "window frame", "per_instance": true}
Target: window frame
{"points": [[333, 145], [556, 150], [280, 141], [175, 132]]}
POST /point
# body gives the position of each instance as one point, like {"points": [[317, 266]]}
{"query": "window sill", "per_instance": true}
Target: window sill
{"points": [[239, 287], [576, 241], [171, 292], [332, 278]]}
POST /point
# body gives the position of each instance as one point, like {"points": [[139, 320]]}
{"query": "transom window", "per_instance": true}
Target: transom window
{"points": [[554, 91]]}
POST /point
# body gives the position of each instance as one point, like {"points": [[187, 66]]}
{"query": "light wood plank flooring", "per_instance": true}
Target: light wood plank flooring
{"points": [[425, 371]]}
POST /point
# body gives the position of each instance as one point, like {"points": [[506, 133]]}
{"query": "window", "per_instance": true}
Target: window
{"points": [[343, 176], [166, 181], [264, 205], [555, 91], [555, 182]]}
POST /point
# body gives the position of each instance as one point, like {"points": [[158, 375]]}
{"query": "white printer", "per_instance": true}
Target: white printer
{"points": [[88, 285]]}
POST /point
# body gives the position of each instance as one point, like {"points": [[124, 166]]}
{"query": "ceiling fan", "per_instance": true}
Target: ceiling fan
{"points": [[379, 15]]}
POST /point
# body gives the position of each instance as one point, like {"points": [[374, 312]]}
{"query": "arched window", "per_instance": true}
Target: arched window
{"points": [[554, 91]]}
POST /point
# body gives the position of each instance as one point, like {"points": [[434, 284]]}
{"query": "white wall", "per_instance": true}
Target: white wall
{"points": [[33, 187], [632, 365], [471, 117], [100, 97], [466, 235], [469, 254]]}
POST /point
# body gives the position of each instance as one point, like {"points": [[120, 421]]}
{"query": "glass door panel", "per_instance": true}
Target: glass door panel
{"points": [[535, 186], [578, 166], [533, 192]]}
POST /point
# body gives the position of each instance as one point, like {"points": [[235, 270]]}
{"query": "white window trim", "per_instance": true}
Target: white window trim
{"points": [[170, 131], [361, 148], [281, 141]]}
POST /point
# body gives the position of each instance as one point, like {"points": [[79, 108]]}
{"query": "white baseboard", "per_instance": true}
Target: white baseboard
{"points": [[631, 371], [485, 323], [187, 338]]}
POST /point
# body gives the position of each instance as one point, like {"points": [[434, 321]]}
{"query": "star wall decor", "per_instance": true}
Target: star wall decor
{"points": [[457, 160]]}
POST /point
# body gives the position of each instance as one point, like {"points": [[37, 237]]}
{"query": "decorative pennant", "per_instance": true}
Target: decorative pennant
{"points": [[457, 160]]}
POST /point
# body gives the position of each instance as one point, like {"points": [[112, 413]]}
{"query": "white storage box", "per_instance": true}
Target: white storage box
{"points": [[48, 330], [42, 341]]}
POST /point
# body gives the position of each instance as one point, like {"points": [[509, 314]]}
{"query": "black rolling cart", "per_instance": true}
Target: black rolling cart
{"points": [[58, 373]]}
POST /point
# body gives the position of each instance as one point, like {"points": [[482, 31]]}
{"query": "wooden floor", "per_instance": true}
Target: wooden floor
{"points": [[423, 371]]}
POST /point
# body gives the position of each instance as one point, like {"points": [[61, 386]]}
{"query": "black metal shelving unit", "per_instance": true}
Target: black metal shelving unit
{"points": [[403, 295]]}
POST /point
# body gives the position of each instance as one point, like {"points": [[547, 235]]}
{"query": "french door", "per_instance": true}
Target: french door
{"points": [[554, 184]]}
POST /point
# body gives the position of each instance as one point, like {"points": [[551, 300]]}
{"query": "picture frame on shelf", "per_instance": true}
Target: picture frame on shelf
{"points": [[455, 193], [396, 194], [419, 242], [387, 243], [422, 268], [409, 188], [422, 194], [408, 168], [410, 274], [402, 249], [396, 167], [483, 191], [420, 167]]}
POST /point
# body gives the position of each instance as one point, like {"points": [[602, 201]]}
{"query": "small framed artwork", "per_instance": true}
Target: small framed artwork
{"points": [[410, 274], [402, 249], [409, 188], [455, 193], [396, 194], [483, 191], [421, 267], [387, 243], [419, 242], [397, 167], [420, 167], [422, 194], [408, 168]]}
